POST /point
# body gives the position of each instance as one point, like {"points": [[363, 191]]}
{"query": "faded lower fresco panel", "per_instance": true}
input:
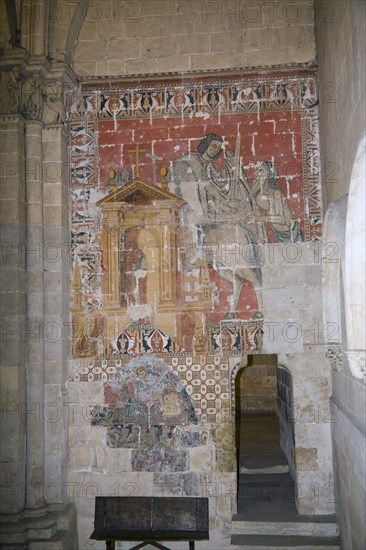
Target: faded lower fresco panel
{"points": [[163, 409], [147, 408], [176, 189]]}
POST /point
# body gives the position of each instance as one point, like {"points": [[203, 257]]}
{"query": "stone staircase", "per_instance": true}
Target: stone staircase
{"points": [[267, 517]]}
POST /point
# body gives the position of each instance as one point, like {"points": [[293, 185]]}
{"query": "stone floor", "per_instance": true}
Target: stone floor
{"points": [[265, 484], [259, 445]]}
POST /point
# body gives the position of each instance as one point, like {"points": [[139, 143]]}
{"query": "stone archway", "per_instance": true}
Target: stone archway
{"points": [[265, 443]]}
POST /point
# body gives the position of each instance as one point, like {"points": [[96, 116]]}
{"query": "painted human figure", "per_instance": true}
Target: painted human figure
{"points": [[170, 401], [148, 244], [273, 205], [220, 205]]}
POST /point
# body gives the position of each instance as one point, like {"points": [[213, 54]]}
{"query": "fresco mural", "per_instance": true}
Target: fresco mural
{"points": [[148, 409], [176, 188]]}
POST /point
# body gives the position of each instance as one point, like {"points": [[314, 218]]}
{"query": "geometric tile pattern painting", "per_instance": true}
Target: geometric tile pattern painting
{"points": [[205, 379], [208, 387]]}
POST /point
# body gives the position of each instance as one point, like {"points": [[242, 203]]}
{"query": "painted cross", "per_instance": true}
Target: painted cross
{"points": [[137, 151]]}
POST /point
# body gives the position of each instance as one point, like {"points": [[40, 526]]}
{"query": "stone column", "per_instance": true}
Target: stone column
{"points": [[56, 309], [34, 329], [13, 302]]}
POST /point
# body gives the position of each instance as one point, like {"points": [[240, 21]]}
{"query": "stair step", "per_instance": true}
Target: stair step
{"points": [[274, 542], [277, 469], [320, 526], [285, 528]]}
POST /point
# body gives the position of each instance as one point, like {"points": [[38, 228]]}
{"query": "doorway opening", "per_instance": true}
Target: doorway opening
{"points": [[264, 438]]}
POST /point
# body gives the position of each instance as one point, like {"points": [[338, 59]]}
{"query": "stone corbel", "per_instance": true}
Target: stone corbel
{"points": [[54, 105], [334, 354]]}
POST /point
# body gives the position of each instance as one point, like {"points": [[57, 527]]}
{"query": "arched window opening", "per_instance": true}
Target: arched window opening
{"points": [[332, 262], [355, 265]]}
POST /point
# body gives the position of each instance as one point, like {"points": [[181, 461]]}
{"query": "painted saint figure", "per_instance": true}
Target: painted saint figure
{"points": [[221, 207], [273, 205]]}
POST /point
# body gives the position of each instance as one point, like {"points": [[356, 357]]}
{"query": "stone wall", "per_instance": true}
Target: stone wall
{"points": [[154, 36], [340, 31], [341, 51]]}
